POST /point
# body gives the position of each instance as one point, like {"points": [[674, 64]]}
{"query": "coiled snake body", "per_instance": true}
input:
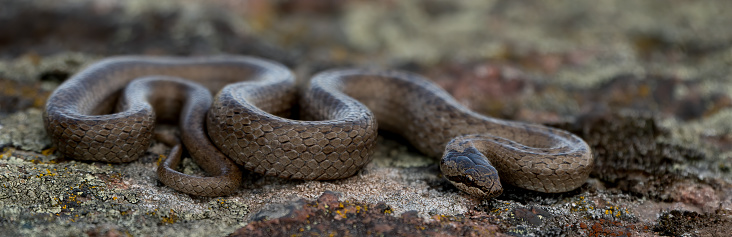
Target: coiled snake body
{"points": [[246, 124]]}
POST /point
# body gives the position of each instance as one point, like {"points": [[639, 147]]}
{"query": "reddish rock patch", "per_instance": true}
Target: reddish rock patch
{"points": [[329, 216]]}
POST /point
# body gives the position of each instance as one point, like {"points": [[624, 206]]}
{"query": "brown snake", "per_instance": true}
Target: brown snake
{"points": [[246, 124]]}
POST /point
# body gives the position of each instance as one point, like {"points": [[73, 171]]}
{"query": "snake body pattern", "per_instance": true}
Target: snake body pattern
{"points": [[247, 125]]}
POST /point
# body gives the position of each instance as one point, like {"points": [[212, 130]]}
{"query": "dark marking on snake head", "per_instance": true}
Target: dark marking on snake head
{"points": [[471, 172]]}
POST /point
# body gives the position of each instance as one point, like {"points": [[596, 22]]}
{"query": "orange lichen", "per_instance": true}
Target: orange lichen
{"points": [[161, 158], [49, 151], [23, 91], [7, 152], [582, 205], [169, 218]]}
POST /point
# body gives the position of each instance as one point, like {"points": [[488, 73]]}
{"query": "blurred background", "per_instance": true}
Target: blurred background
{"points": [[486, 53]]}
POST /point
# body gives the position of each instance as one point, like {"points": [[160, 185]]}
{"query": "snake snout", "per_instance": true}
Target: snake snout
{"points": [[471, 172]]}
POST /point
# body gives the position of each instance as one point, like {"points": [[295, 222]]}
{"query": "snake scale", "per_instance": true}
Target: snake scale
{"points": [[107, 112]]}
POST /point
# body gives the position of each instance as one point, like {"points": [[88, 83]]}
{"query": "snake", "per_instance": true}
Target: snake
{"points": [[236, 112]]}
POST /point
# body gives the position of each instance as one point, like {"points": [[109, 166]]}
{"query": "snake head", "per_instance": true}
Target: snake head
{"points": [[471, 172]]}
